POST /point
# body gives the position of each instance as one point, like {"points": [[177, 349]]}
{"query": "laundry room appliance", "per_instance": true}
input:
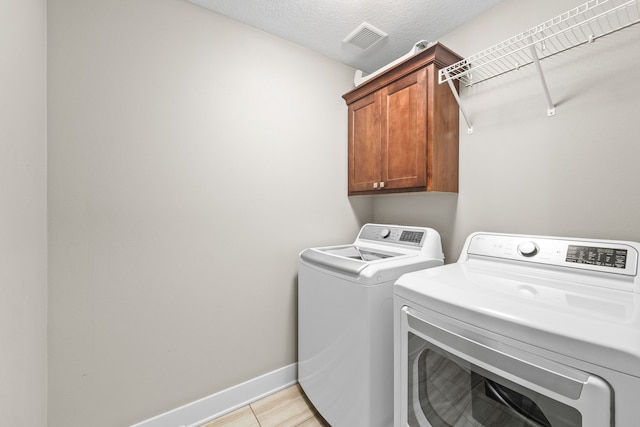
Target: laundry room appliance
{"points": [[345, 320], [521, 331]]}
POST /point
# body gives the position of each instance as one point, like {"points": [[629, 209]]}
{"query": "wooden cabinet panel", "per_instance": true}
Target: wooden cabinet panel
{"points": [[364, 143], [403, 129], [404, 132]]}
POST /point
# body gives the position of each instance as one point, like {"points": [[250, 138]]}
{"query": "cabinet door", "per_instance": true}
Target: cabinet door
{"points": [[404, 132], [364, 143]]}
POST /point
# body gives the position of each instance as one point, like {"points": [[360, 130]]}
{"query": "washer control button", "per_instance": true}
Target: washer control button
{"points": [[528, 249], [384, 233]]}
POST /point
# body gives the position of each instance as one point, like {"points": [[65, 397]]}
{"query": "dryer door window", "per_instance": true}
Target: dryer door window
{"points": [[446, 391], [454, 381]]}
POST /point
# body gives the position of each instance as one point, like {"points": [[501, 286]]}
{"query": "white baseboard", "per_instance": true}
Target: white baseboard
{"points": [[208, 408]]}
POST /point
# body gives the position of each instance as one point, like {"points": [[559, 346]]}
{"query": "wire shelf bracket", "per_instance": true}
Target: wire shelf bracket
{"points": [[578, 26]]}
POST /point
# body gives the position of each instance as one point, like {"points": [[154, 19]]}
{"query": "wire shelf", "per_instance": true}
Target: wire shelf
{"points": [[580, 25]]}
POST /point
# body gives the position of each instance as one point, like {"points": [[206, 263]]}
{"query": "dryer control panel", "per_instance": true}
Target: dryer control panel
{"points": [[603, 256]]}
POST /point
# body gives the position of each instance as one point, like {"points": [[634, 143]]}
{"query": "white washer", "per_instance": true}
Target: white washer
{"points": [[345, 320], [521, 331]]}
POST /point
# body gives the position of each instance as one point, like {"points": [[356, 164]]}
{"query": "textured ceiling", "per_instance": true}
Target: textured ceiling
{"points": [[322, 25]]}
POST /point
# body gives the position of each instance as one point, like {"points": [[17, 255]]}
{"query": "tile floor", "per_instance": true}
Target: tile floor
{"points": [[286, 408]]}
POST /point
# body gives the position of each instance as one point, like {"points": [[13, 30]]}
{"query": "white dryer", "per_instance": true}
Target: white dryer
{"points": [[345, 320], [521, 331]]}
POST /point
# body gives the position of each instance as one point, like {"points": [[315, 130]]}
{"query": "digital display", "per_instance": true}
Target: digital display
{"points": [[411, 236], [605, 257]]}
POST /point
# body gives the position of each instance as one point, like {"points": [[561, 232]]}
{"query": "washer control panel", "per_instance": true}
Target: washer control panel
{"points": [[393, 234], [596, 255]]}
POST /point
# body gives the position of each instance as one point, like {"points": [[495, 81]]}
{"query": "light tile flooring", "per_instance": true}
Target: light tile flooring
{"points": [[286, 408]]}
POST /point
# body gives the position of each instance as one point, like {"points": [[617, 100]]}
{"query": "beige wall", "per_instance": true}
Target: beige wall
{"points": [[191, 158], [574, 174], [23, 233]]}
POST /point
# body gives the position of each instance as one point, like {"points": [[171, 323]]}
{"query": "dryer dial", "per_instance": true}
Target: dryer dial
{"points": [[528, 249]]}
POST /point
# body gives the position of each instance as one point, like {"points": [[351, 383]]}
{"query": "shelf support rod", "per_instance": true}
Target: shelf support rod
{"points": [[457, 97], [551, 109]]}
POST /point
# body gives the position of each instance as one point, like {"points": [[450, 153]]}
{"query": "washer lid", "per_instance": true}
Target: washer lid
{"points": [[360, 262], [359, 253], [346, 259], [594, 324]]}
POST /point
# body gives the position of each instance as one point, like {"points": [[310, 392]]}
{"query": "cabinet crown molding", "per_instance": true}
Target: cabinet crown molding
{"points": [[437, 54]]}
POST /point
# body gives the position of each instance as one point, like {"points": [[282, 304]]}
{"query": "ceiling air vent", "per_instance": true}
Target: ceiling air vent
{"points": [[365, 36]]}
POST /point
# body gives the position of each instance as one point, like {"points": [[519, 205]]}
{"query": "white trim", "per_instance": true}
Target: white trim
{"points": [[208, 408]]}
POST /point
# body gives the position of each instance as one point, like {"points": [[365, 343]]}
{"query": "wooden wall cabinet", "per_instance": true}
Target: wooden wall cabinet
{"points": [[403, 128]]}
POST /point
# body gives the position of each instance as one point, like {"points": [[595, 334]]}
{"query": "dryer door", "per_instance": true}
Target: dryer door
{"points": [[453, 376]]}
